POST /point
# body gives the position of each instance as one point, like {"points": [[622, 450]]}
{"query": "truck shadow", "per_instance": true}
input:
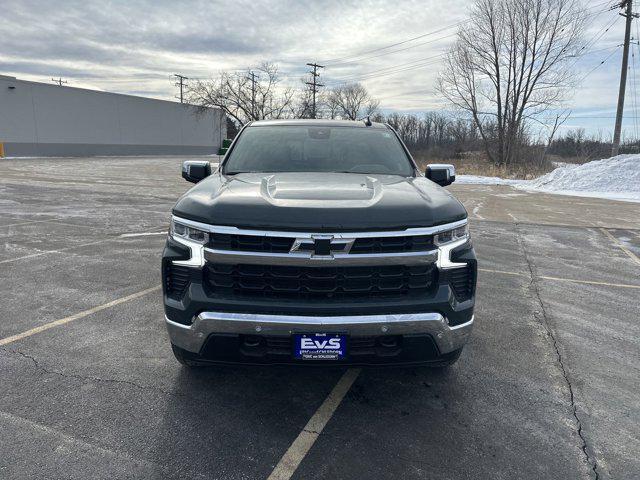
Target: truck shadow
{"points": [[228, 422], [238, 421]]}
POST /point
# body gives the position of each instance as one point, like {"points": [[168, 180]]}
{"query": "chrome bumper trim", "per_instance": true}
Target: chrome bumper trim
{"points": [[337, 235], [192, 337], [199, 253], [301, 259]]}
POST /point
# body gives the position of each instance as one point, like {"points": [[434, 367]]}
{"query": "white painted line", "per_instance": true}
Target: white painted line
{"points": [[304, 441], [77, 316], [28, 222], [560, 279], [589, 282], [620, 245], [47, 252], [143, 234], [31, 255], [502, 272]]}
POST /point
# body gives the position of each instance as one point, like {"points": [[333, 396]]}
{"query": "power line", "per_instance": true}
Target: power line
{"points": [[393, 51], [314, 85], [335, 61], [392, 67], [417, 64], [180, 83], [607, 3], [393, 70], [594, 39], [601, 63], [356, 57]]}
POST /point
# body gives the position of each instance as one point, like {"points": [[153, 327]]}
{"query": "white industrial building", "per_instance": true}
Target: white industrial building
{"points": [[40, 119]]}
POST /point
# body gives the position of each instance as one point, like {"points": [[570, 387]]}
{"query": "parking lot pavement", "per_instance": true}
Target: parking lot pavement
{"points": [[548, 387], [502, 203]]}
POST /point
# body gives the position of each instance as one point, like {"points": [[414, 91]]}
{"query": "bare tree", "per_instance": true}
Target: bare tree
{"points": [[351, 101], [330, 101], [509, 64], [242, 98]]}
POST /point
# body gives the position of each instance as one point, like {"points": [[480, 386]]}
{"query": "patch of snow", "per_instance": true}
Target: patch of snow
{"points": [[616, 178], [479, 180]]}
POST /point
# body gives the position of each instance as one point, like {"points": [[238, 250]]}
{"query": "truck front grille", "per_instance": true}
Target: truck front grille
{"points": [[250, 243], [416, 243], [362, 245], [320, 282]]}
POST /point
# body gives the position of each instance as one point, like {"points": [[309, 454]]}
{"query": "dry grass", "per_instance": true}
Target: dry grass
{"points": [[475, 163]]}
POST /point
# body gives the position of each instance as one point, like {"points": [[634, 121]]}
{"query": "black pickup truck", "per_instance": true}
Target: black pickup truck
{"points": [[318, 242]]}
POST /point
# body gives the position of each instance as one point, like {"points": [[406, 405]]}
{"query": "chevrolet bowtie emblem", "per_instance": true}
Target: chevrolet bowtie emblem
{"points": [[322, 246]]}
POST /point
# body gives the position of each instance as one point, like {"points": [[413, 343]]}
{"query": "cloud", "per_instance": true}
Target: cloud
{"points": [[135, 46]]}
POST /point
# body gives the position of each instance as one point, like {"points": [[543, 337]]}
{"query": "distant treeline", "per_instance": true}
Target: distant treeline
{"points": [[440, 136], [576, 144]]}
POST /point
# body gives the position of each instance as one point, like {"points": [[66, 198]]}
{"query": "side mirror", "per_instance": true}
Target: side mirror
{"points": [[195, 170], [441, 173]]}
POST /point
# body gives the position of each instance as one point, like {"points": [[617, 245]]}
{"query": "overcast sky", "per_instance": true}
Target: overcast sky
{"points": [[135, 46]]}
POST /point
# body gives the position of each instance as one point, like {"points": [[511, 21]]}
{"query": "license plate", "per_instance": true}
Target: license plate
{"points": [[320, 346]]}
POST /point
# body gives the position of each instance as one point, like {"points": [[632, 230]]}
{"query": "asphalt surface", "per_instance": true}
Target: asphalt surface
{"points": [[549, 386]]}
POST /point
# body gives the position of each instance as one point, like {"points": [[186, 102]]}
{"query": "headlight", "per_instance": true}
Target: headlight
{"points": [[453, 235], [188, 233]]}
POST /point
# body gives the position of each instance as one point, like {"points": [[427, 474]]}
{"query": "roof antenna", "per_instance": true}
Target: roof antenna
{"points": [[367, 121]]}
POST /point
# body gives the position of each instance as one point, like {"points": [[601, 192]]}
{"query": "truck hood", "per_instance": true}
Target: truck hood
{"points": [[319, 202]]}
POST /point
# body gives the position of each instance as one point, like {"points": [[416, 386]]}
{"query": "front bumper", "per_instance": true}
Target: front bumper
{"points": [[194, 336]]}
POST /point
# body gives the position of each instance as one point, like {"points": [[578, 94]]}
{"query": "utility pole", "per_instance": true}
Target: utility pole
{"points": [[253, 95], [59, 81], [180, 83], [314, 85], [629, 16]]}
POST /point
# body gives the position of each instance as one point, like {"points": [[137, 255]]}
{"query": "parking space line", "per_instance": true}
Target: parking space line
{"points": [[60, 250], [620, 245], [561, 279], [77, 316], [304, 441], [589, 282], [142, 234], [502, 272], [28, 222], [47, 252]]}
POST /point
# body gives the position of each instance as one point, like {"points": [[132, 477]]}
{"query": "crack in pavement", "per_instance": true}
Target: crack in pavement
{"points": [[84, 378], [593, 464]]}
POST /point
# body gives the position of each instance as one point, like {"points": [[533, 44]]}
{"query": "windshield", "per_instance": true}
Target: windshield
{"points": [[296, 148]]}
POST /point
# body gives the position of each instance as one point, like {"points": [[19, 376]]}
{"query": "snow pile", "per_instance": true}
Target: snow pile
{"points": [[615, 175], [615, 178]]}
